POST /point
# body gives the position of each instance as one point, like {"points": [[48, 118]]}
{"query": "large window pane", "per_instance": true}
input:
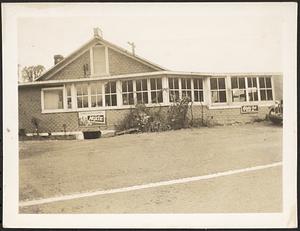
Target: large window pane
{"points": [[269, 95], [262, 82], [263, 95], [221, 82], [268, 83], [213, 84], [222, 95], [234, 82], [53, 99]]}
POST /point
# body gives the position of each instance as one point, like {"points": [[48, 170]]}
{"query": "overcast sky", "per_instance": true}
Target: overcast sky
{"points": [[186, 37]]}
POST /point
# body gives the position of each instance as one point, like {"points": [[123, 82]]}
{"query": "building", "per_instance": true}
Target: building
{"points": [[97, 85]]}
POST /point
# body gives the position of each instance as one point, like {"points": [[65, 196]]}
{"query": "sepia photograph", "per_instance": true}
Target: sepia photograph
{"points": [[144, 109]]}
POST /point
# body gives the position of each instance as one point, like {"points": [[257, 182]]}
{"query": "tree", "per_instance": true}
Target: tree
{"points": [[30, 73]]}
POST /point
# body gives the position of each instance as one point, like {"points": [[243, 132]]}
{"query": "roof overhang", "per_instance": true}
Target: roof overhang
{"points": [[144, 74]]}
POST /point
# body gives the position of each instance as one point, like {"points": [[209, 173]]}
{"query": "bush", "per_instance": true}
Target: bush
{"points": [[138, 118], [177, 113]]}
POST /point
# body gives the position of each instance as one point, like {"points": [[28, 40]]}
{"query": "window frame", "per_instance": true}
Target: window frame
{"points": [[265, 88], [238, 87], [218, 90], [96, 94], [92, 68], [127, 92], [111, 94], [156, 90], [43, 101], [198, 90], [142, 91], [173, 89]]}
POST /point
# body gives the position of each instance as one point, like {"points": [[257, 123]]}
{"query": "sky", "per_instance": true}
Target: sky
{"points": [[190, 37]]}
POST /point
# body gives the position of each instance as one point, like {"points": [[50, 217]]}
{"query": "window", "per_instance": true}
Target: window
{"points": [[69, 96], [173, 89], [99, 60], [110, 94], [96, 94], [127, 92], [218, 90], [252, 89], [82, 96], [198, 90], [53, 99], [238, 89], [142, 91], [86, 72], [186, 88], [156, 90], [265, 87]]}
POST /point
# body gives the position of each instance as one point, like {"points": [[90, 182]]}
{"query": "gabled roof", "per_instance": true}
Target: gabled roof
{"points": [[67, 60]]}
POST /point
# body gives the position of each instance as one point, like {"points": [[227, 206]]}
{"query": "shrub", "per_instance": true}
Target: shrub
{"points": [[138, 118], [177, 113]]}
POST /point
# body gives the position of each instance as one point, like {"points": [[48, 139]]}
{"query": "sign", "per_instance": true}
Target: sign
{"points": [[90, 118], [249, 109]]}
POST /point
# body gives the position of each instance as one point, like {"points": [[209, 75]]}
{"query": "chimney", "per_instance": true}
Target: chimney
{"points": [[57, 59], [97, 32]]}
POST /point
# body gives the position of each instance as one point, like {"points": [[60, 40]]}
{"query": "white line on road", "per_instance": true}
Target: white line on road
{"points": [[144, 186]]}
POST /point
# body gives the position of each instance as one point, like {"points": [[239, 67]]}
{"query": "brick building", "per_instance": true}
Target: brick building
{"points": [[97, 85]]}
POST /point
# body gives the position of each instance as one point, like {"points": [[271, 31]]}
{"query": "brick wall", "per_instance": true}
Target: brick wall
{"points": [[121, 64]]}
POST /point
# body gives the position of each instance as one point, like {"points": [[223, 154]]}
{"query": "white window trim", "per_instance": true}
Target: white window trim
{"points": [[266, 88], [231, 89], [43, 102], [107, 73], [206, 95], [226, 91]]}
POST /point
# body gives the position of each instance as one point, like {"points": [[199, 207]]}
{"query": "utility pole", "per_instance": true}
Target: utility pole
{"points": [[132, 47]]}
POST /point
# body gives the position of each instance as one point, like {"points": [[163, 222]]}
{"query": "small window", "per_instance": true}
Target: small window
{"points": [[96, 94], [127, 92], [238, 89], [218, 90], [53, 99], [198, 90], [142, 91], [186, 88], [82, 96], [173, 89], [265, 87], [156, 90], [110, 94]]}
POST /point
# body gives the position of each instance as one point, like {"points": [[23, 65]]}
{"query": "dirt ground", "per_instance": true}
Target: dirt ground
{"points": [[53, 168]]}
